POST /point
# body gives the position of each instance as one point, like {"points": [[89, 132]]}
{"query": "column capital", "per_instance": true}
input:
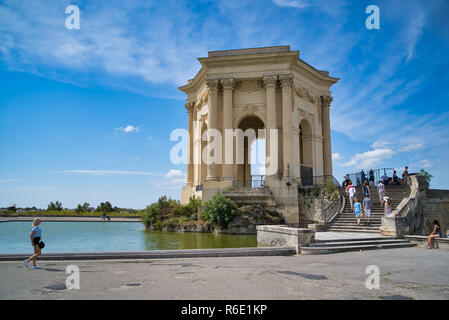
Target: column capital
{"points": [[270, 81], [326, 101], [227, 84], [286, 80], [212, 85], [190, 107]]}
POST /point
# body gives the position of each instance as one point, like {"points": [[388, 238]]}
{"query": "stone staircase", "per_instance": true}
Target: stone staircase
{"points": [[346, 221], [243, 196], [355, 244]]}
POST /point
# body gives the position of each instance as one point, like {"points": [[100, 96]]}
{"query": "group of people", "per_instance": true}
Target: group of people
{"points": [[363, 209], [386, 180]]}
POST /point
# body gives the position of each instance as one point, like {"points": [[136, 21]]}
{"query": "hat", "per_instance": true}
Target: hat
{"points": [[386, 198]]}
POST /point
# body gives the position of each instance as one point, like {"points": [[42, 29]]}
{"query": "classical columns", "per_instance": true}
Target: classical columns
{"points": [[287, 108], [228, 114], [270, 94], [212, 86], [327, 152], [190, 111]]}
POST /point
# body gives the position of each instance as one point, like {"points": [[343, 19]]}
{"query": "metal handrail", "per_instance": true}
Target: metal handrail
{"points": [[257, 181], [357, 178]]}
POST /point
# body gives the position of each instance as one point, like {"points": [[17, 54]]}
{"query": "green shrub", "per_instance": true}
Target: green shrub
{"points": [[330, 187], [169, 213], [220, 210], [316, 191]]}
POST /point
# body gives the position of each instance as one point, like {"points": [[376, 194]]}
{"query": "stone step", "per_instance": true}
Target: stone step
{"points": [[352, 226], [335, 249], [349, 215], [373, 238], [342, 222], [351, 242], [354, 223], [353, 231]]}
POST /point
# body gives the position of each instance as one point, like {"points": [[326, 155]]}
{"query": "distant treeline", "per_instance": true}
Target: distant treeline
{"points": [[56, 208]]}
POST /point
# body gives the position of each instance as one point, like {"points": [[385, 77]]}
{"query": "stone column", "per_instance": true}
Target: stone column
{"points": [[212, 86], [270, 95], [287, 111], [190, 110], [327, 152], [228, 113]]}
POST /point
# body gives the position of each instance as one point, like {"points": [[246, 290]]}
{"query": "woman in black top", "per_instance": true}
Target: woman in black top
{"points": [[436, 233]]}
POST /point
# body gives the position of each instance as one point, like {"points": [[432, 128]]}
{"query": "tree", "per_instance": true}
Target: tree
{"points": [[82, 208], [427, 176], [220, 210], [55, 206], [105, 207]]}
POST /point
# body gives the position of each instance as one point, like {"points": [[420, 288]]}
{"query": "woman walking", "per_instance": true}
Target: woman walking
{"points": [[365, 189], [436, 233], [35, 237], [388, 208], [357, 210]]}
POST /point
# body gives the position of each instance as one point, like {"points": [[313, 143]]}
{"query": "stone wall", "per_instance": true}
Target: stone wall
{"points": [[436, 207], [315, 206], [284, 236], [415, 214]]}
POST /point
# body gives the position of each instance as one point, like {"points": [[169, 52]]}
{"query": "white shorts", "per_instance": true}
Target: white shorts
{"points": [[367, 212]]}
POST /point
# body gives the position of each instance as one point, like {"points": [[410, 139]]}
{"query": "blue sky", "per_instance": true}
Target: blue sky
{"points": [[86, 115]]}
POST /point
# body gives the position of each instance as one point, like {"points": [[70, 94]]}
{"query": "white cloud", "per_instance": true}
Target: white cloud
{"points": [[370, 158], [379, 144], [128, 129], [173, 173], [336, 156], [411, 147], [425, 163], [174, 179], [292, 3]]}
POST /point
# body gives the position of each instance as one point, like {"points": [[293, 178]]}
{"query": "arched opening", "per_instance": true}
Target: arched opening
{"points": [[306, 152], [251, 173]]}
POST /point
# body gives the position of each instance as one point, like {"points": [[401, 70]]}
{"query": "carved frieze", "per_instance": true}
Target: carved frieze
{"points": [[249, 86], [306, 95]]}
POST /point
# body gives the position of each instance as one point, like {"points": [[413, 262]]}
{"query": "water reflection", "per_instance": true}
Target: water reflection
{"points": [[111, 236], [193, 240]]}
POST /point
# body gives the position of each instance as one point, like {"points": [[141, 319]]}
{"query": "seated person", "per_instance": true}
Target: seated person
{"points": [[436, 233]]}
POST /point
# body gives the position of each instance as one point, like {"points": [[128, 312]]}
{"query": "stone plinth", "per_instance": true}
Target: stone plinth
{"points": [[285, 236]]}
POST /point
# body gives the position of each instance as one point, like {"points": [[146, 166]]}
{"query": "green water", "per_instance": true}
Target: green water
{"points": [[111, 236]]}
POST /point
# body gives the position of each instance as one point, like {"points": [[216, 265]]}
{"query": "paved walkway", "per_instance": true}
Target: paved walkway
{"points": [[412, 273]]}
